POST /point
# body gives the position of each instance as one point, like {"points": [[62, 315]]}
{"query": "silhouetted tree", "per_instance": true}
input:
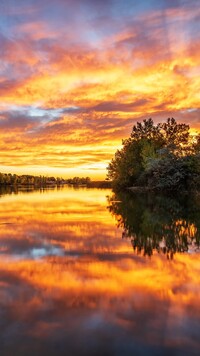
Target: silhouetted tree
{"points": [[161, 157]]}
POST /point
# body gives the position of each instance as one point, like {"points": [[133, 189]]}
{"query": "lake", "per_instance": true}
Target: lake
{"points": [[87, 272]]}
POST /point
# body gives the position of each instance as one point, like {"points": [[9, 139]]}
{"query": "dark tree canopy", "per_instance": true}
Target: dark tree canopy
{"points": [[159, 156]]}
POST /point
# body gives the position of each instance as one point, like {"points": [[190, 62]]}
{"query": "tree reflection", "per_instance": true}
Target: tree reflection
{"points": [[158, 223]]}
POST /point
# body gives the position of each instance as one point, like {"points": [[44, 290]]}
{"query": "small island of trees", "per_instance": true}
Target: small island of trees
{"points": [[161, 157]]}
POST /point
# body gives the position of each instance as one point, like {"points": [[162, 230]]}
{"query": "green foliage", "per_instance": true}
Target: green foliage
{"points": [[40, 181], [29, 180], [166, 173], [159, 157], [121, 169], [175, 135]]}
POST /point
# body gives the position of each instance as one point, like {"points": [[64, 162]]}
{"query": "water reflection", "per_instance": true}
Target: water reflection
{"points": [[152, 222], [71, 286]]}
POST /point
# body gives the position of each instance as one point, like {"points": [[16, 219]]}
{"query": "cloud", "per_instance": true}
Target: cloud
{"points": [[16, 121], [107, 106], [85, 77]]}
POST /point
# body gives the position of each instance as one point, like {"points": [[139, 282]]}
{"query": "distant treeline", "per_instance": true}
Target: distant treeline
{"points": [[8, 179], [25, 179], [77, 181]]}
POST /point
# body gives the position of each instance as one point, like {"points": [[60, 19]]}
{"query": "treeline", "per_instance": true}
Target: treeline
{"points": [[78, 181], [25, 179], [162, 157], [8, 179], [14, 179]]}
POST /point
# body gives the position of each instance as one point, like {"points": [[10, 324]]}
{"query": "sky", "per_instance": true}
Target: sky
{"points": [[76, 75]]}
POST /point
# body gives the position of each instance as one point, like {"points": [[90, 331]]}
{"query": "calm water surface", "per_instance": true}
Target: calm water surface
{"points": [[82, 273]]}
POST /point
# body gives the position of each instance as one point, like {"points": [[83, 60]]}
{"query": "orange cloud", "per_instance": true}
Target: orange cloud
{"points": [[145, 66]]}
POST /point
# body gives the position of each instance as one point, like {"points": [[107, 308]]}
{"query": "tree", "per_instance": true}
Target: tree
{"points": [[158, 156], [167, 173], [175, 134], [121, 169]]}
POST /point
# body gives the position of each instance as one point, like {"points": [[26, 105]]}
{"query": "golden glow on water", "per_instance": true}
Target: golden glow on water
{"points": [[64, 265]]}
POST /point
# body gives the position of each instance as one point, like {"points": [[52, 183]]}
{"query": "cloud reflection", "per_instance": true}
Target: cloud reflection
{"points": [[88, 283]]}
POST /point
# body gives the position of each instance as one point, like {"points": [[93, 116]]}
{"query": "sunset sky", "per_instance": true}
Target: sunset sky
{"points": [[75, 75]]}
